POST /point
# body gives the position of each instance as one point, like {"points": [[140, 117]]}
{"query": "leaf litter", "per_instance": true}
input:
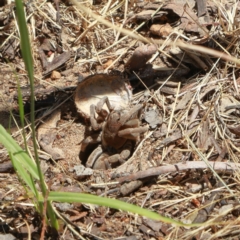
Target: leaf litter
{"points": [[191, 106]]}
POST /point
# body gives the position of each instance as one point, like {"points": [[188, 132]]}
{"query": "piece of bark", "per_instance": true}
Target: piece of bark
{"points": [[146, 15], [205, 212], [234, 129], [40, 91], [47, 134], [57, 62], [148, 231], [140, 57], [156, 171], [175, 136], [201, 7], [43, 58], [6, 167], [182, 104], [204, 141], [210, 204], [128, 188], [153, 224]]}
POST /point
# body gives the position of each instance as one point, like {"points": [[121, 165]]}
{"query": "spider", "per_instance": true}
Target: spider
{"points": [[120, 130]]}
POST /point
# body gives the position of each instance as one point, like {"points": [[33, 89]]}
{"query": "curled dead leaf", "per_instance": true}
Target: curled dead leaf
{"points": [[161, 30], [140, 57]]}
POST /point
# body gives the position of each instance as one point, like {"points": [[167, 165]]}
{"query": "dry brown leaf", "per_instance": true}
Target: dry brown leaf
{"points": [[182, 104], [140, 57], [147, 14], [235, 129], [47, 134], [207, 90], [55, 75], [161, 30], [78, 216], [108, 63], [189, 20], [204, 140], [225, 102]]}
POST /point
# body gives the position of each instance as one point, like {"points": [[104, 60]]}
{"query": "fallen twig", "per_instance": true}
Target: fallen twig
{"points": [[156, 171]]}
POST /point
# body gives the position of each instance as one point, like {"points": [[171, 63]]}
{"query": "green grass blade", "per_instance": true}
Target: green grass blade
{"points": [[27, 57], [20, 156], [28, 60], [24, 165], [52, 216], [22, 172], [112, 203], [24, 41], [21, 112]]}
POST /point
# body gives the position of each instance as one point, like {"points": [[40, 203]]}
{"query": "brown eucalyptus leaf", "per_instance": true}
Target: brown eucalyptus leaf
{"points": [[140, 57], [47, 133], [235, 129]]}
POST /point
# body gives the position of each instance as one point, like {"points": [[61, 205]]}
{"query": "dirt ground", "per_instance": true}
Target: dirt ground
{"points": [[180, 60]]}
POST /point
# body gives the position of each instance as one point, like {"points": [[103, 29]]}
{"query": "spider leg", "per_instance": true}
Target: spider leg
{"points": [[119, 158], [101, 102], [94, 157], [99, 162], [132, 133], [93, 139], [133, 112], [97, 123]]}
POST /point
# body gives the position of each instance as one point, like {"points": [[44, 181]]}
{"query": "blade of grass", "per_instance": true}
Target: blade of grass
{"points": [[28, 60], [22, 172], [71, 197], [22, 158], [21, 112], [27, 57]]}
